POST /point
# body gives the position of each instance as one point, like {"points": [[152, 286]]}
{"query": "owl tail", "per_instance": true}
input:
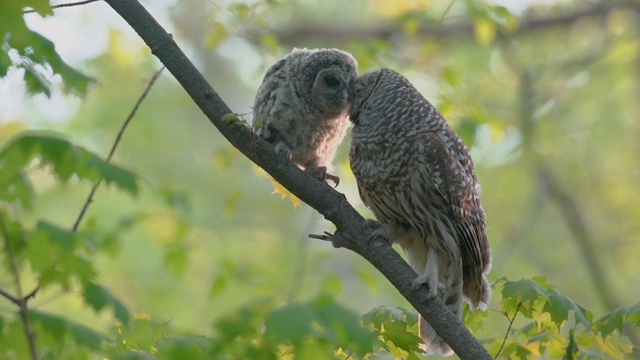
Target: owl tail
{"points": [[452, 298]]}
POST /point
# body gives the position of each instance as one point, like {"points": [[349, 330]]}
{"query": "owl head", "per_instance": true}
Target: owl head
{"points": [[324, 78], [361, 90]]}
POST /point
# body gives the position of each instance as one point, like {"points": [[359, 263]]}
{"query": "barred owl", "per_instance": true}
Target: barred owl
{"points": [[302, 106], [416, 176]]}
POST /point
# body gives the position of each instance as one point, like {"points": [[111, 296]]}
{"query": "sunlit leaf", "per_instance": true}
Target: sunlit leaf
{"points": [[284, 192], [270, 42], [484, 31], [217, 33], [524, 291]]}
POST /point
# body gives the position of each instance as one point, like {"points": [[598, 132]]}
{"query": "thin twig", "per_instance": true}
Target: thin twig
{"points": [[32, 294], [9, 297], [506, 336], [29, 11], [115, 145], [446, 11], [22, 301]]}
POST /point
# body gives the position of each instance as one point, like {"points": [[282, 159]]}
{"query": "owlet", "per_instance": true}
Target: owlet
{"points": [[302, 106]]}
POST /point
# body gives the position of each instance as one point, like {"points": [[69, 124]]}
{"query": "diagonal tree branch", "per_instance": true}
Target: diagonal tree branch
{"points": [[351, 232]]}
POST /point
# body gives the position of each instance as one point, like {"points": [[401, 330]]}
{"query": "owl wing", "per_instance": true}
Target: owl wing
{"points": [[265, 102], [453, 178]]}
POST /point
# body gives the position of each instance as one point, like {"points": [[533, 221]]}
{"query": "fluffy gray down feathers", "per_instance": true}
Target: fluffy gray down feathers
{"points": [[302, 105]]}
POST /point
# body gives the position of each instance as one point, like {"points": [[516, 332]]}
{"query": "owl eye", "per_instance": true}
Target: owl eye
{"points": [[332, 81]]}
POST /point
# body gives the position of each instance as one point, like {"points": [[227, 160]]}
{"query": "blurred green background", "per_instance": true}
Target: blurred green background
{"points": [[545, 94]]}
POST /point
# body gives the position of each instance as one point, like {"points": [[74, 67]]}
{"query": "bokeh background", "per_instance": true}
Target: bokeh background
{"points": [[545, 93]]}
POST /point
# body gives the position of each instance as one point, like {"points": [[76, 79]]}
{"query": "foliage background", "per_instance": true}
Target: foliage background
{"points": [[549, 109]]}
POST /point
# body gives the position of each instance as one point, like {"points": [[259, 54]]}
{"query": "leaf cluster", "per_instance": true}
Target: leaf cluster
{"points": [[26, 50]]}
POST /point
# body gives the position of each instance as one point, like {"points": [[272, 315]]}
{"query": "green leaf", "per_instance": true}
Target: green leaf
{"points": [[187, 347], [16, 187], [246, 320], [65, 159], [35, 82], [558, 306], [342, 326], [398, 328], [610, 322], [217, 33], [291, 323], [97, 296], [59, 327], [14, 339], [34, 49], [525, 292], [42, 7], [140, 334], [176, 257], [52, 253], [633, 314]]}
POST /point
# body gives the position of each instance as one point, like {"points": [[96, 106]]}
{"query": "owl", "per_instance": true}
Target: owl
{"points": [[302, 106], [416, 176]]}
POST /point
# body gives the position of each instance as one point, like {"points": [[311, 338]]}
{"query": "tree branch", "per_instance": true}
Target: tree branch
{"points": [[386, 31], [79, 3], [21, 301], [332, 205]]}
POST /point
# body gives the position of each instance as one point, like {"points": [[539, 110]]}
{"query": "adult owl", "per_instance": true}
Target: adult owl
{"points": [[302, 106], [416, 176]]}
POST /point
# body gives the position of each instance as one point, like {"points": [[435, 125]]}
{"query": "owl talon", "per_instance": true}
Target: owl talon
{"points": [[338, 239], [283, 150], [326, 236], [434, 287], [335, 179], [380, 231], [320, 173]]}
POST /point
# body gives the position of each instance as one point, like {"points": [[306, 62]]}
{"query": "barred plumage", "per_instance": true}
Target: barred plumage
{"points": [[302, 105], [416, 176]]}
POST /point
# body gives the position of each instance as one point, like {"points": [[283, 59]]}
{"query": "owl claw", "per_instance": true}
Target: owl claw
{"points": [[326, 236], [335, 179], [283, 150], [338, 239], [380, 231], [434, 287], [320, 172]]}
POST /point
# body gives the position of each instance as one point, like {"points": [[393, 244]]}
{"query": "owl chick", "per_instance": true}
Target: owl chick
{"points": [[302, 106], [416, 176]]}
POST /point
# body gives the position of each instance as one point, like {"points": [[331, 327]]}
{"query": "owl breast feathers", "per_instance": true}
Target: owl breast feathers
{"points": [[416, 176], [302, 105]]}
